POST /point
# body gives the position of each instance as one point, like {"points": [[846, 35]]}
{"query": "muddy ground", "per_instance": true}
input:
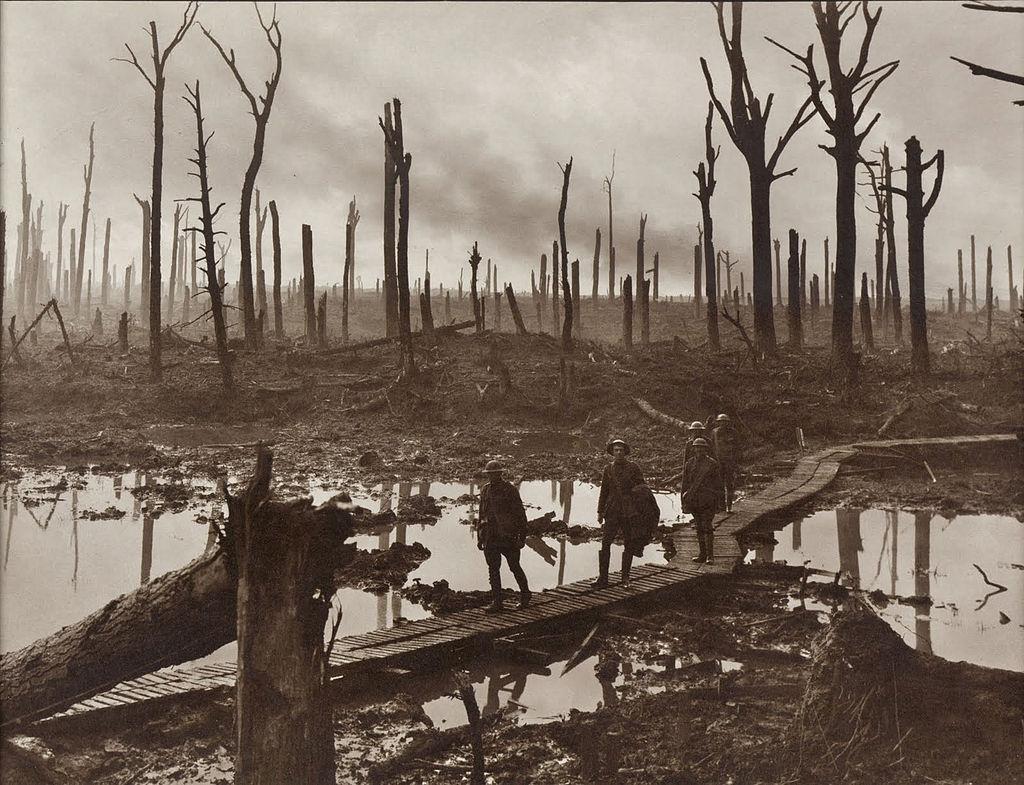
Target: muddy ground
{"points": [[342, 418], [731, 680]]}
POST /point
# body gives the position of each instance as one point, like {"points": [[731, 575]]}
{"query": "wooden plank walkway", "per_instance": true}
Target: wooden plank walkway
{"points": [[449, 639]]}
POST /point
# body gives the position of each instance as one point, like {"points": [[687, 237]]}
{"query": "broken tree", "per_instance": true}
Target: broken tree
{"points": [[705, 174], [567, 303]]}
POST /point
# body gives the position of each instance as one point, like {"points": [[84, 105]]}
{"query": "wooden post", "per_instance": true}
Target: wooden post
{"points": [[597, 263], [307, 283], [627, 313], [949, 301], [796, 338], [865, 313], [657, 271], [513, 306]]}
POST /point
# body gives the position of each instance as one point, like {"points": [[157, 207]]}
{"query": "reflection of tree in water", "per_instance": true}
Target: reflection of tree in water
{"points": [[11, 499], [565, 488], [147, 540], [893, 521], [850, 543], [74, 536], [922, 579]]}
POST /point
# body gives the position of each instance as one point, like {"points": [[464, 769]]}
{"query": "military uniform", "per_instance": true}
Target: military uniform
{"points": [[618, 505], [502, 533], [726, 444], [701, 496]]}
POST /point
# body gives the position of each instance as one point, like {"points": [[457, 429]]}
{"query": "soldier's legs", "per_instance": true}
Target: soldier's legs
{"points": [[701, 522], [512, 557], [604, 557], [493, 557], [729, 480], [627, 561]]}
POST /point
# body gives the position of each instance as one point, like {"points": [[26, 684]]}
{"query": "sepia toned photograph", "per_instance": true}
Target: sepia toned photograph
{"points": [[511, 393]]}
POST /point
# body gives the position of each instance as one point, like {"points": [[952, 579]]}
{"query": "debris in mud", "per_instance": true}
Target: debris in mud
{"points": [[370, 459], [439, 598], [419, 509], [378, 571], [364, 521], [109, 514]]}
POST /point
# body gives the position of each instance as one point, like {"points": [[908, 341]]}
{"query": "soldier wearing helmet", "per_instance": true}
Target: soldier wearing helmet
{"points": [[617, 510], [726, 444], [502, 533], [702, 495], [694, 430]]}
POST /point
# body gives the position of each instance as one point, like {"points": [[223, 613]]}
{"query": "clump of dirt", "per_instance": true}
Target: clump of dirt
{"points": [[109, 514], [378, 571], [420, 509], [439, 598]]}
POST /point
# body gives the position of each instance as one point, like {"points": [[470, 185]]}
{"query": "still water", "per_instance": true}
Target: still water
{"points": [[59, 565], [923, 554]]}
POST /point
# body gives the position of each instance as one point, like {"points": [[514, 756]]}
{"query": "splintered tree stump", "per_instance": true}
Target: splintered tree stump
{"points": [[513, 306], [796, 337], [282, 552], [627, 313], [122, 333]]}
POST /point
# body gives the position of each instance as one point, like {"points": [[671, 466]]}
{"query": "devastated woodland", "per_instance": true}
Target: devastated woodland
{"points": [[279, 384]]}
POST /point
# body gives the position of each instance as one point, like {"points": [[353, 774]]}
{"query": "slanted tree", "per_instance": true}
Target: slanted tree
{"points": [[746, 125], [705, 174], [567, 309], [259, 106], [207, 217], [832, 20], [917, 212], [607, 186], [157, 81]]}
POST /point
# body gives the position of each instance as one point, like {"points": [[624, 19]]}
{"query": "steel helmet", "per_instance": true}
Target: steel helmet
{"points": [[493, 467], [612, 444], [696, 425]]}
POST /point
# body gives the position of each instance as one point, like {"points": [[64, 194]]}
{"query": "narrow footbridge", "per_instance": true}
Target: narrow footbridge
{"points": [[446, 640]]}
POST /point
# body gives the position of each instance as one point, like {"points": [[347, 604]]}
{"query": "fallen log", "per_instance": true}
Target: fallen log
{"points": [[654, 414], [177, 617], [354, 347]]}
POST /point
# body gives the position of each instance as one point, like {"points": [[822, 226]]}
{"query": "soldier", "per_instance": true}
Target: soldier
{"points": [[694, 430], [502, 532], [726, 443], [701, 495], [616, 509]]}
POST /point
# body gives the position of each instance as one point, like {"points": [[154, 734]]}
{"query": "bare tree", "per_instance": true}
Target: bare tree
{"points": [[275, 235], [390, 272], [917, 212], [747, 124], [23, 234], [566, 283], [992, 73], [62, 215], [157, 82], [611, 232], [87, 175], [260, 214], [346, 276], [597, 263], [106, 262], [207, 216], [395, 139], [705, 174], [260, 106], [832, 20]]}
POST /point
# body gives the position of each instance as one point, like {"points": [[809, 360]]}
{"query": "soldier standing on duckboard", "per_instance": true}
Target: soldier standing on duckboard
{"points": [[701, 496], [617, 510], [502, 532], [726, 443]]}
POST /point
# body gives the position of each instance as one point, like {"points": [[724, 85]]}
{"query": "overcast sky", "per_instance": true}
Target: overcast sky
{"points": [[494, 95]]}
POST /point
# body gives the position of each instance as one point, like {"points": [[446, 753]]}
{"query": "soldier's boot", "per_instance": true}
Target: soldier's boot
{"points": [[496, 606], [710, 547], [702, 553], [627, 562], [524, 598], [604, 558]]}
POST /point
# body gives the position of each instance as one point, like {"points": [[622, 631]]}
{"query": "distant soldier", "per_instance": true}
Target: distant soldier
{"points": [[702, 495], [726, 443], [502, 532], [617, 510]]}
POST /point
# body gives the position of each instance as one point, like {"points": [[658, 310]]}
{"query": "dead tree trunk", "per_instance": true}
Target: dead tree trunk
{"points": [[87, 174], [627, 313], [865, 313], [21, 262], [611, 232], [705, 174], [513, 306], [173, 277], [893, 297], [567, 298], [917, 212], [260, 214], [128, 287], [321, 322], [844, 82], [544, 278], [403, 162], [474, 264], [122, 333], [962, 292], [577, 309], [275, 236], [157, 82], [390, 274], [1014, 299], [778, 273], [597, 264], [62, 214], [308, 282], [746, 125], [796, 337], [555, 294], [207, 216], [645, 312], [988, 293], [697, 263], [641, 272], [259, 107]]}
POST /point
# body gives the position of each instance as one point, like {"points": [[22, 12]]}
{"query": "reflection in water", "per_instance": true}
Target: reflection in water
{"points": [[866, 549], [62, 569]]}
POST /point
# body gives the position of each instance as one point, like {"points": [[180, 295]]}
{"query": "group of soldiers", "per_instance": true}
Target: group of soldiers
{"points": [[708, 478]]}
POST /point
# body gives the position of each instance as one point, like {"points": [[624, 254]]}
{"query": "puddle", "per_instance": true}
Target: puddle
{"points": [[59, 565], [923, 554]]}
